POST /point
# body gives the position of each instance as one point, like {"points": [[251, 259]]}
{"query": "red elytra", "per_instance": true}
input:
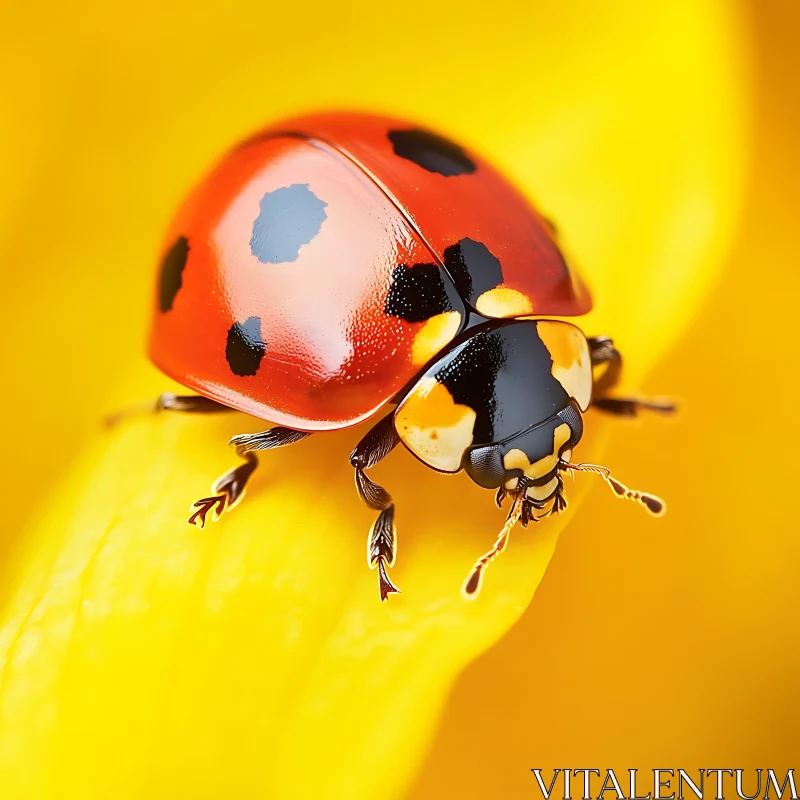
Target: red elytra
{"points": [[322, 332]]}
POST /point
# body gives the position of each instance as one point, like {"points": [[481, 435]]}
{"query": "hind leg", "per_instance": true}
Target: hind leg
{"points": [[185, 403]]}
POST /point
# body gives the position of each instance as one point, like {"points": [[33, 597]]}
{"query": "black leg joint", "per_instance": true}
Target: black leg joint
{"points": [[602, 351], [378, 443]]}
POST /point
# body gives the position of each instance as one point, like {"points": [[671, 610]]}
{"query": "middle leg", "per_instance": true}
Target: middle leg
{"points": [[603, 352], [229, 489]]}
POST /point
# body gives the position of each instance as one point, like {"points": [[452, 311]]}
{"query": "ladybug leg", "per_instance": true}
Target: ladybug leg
{"points": [[382, 540], [603, 352], [170, 402], [229, 489], [189, 403]]}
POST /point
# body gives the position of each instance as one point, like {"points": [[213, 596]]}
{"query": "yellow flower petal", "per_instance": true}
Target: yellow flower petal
{"points": [[142, 657]]}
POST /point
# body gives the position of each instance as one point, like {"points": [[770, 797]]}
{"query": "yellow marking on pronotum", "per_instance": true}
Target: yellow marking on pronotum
{"points": [[572, 365], [434, 334], [516, 458], [433, 426], [503, 302]]}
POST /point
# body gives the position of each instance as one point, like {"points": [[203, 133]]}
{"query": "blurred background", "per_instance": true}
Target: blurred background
{"points": [[653, 135]]}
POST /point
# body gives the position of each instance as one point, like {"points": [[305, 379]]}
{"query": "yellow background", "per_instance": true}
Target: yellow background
{"points": [[665, 138]]}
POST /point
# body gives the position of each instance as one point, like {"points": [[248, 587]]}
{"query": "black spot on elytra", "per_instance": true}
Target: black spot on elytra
{"points": [[473, 268], [431, 152], [245, 347], [289, 218], [171, 277], [417, 293]]}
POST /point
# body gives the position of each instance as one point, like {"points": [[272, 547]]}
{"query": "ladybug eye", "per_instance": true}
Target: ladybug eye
{"points": [[485, 466]]}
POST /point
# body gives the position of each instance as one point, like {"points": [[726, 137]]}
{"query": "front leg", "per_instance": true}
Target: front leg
{"points": [[604, 353], [382, 539]]}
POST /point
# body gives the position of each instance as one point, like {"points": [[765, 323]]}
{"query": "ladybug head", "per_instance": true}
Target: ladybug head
{"points": [[531, 458], [530, 467]]}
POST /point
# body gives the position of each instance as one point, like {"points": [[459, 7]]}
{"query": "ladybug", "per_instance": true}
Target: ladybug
{"points": [[337, 264]]}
